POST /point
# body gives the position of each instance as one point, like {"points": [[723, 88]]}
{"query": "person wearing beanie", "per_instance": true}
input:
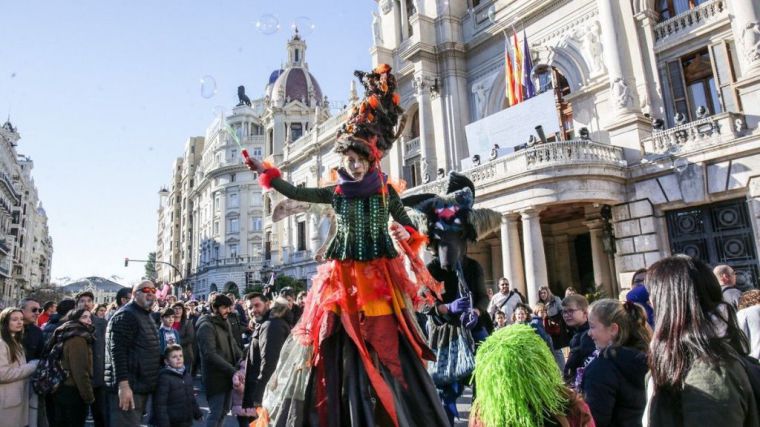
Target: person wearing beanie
{"points": [[357, 348], [640, 295]]}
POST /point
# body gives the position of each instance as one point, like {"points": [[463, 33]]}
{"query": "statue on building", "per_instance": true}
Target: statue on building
{"points": [[480, 91], [242, 97], [494, 152], [476, 159], [441, 173], [593, 46], [621, 93], [377, 30], [751, 41]]}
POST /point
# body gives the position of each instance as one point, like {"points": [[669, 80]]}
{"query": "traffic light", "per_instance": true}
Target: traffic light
{"points": [[126, 262]]}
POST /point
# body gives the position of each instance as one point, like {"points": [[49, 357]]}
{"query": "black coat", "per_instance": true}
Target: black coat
{"points": [[33, 341], [219, 353], [266, 343], [174, 402], [614, 387], [99, 352], [133, 352], [581, 347], [473, 274], [54, 321]]}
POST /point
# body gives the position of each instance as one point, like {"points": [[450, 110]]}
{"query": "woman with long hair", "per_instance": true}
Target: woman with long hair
{"points": [[15, 371], [694, 357], [75, 394], [554, 324], [613, 380], [184, 326]]}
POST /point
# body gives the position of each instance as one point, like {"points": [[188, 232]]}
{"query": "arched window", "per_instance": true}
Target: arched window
{"points": [[415, 128]]}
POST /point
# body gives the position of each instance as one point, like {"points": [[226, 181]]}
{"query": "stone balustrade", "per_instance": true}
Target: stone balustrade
{"points": [[702, 132], [412, 147], [540, 156], [686, 22]]}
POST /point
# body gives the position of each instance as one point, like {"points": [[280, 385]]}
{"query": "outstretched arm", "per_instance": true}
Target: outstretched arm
{"points": [[271, 177]]}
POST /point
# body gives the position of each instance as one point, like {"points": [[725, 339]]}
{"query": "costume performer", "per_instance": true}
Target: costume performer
{"points": [[356, 357], [459, 320]]}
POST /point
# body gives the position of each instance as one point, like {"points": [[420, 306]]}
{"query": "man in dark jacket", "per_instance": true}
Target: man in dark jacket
{"points": [[99, 407], [575, 313], [33, 340], [132, 356], [220, 354], [63, 308], [269, 335]]}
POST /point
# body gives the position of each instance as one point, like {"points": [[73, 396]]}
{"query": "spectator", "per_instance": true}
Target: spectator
{"points": [[174, 403], [554, 324], [14, 369], [132, 356], [749, 320], [76, 393], [47, 310], [61, 310], [219, 355], [696, 375], [33, 340], [727, 279], [639, 278], [268, 337], [294, 312], [123, 296], [613, 381], [575, 314], [194, 315], [506, 300], [522, 315], [101, 310], [186, 330], [86, 300], [501, 320], [570, 291], [166, 333], [640, 295]]}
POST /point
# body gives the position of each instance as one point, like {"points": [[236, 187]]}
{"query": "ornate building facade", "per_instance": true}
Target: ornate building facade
{"points": [[26, 248], [649, 131]]}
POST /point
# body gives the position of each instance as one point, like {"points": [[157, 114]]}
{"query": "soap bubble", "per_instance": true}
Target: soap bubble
{"points": [[208, 87], [304, 24], [268, 24]]}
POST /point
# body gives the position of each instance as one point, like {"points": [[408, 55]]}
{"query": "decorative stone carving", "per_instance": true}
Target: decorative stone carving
{"points": [[592, 45], [621, 93], [425, 172], [386, 6], [377, 30], [481, 92], [751, 42], [419, 84]]}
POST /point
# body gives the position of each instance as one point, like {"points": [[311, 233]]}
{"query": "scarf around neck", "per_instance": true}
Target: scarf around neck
{"points": [[370, 184]]}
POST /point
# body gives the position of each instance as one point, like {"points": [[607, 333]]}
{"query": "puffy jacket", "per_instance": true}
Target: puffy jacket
{"points": [[266, 343], [99, 352], [174, 402], [219, 353], [614, 387], [132, 349], [581, 347]]}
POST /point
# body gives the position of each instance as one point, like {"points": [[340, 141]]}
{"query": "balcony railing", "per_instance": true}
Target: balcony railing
{"points": [[693, 135], [549, 155], [230, 262], [412, 147], [690, 20]]}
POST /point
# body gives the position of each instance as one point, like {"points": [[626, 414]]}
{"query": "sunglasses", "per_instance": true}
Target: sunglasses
{"points": [[36, 310], [147, 290]]}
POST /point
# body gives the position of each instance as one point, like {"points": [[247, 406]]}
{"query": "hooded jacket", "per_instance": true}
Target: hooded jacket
{"points": [[174, 402], [614, 387], [266, 343], [219, 353], [77, 341]]}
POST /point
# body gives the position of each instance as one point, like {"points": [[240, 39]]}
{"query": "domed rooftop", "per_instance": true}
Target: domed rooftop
{"points": [[296, 84]]}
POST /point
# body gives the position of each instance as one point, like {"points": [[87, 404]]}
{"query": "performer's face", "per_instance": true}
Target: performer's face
{"points": [[355, 164]]}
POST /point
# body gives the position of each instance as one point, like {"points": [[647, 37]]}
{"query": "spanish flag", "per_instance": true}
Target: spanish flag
{"points": [[509, 76], [518, 64]]}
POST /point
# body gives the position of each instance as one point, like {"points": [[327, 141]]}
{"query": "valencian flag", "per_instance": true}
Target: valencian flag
{"points": [[509, 75], [518, 70], [527, 82]]}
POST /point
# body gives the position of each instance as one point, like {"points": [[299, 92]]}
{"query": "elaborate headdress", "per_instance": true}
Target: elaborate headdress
{"points": [[376, 115], [452, 211]]}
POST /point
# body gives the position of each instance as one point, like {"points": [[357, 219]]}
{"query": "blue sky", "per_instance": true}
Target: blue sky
{"points": [[105, 93]]}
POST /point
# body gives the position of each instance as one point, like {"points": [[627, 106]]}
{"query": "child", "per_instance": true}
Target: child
{"points": [[174, 402], [167, 335], [501, 319]]}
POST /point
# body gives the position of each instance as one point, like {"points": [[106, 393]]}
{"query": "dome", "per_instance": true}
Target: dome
{"points": [[296, 84]]}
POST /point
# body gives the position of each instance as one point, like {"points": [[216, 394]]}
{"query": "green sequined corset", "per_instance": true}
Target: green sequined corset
{"points": [[362, 230]]}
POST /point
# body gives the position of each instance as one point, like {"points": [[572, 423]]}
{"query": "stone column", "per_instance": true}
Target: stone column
{"points": [[622, 89], [511, 254], [535, 259], [745, 24], [427, 139], [496, 265], [602, 276]]}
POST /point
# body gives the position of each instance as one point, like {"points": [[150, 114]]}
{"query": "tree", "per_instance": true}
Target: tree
{"points": [[150, 267], [284, 280]]}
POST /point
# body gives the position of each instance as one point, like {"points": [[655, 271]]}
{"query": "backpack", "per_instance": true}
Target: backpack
{"points": [[49, 374]]}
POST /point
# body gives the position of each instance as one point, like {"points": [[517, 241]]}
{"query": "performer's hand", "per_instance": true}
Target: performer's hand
{"points": [[253, 164], [469, 319], [399, 232], [459, 305]]}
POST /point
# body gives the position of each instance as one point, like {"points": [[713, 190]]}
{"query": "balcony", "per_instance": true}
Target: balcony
{"points": [[687, 23], [226, 262], [549, 156], [700, 133], [412, 147], [4, 247]]}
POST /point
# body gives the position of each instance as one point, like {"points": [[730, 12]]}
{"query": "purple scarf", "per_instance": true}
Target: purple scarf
{"points": [[368, 186]]}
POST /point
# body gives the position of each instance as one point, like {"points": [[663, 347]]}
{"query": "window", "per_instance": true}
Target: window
{"points": [[216, 227], [413, 172], [255, 224], [217, 201], [255, 198], [268, 246], [257, 152], [671, 8], [233, 225], [232, 200], [296, 130], [267, 206], [233, 250], [301, 235], [544, 76], [233, 154], [298, 55]]}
